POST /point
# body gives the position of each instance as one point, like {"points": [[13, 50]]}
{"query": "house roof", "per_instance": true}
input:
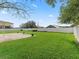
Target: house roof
{"points": [[5, 22]]}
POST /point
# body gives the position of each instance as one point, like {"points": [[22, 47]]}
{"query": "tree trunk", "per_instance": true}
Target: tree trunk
{"points": [[76, 33]]}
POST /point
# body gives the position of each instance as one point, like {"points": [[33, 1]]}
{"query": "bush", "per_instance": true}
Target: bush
{"points": [[21, 29], [34, 30]]}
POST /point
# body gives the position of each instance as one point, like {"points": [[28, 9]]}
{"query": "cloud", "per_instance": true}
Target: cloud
{"points": [[4, 12], [34, 5], [50, 16]]}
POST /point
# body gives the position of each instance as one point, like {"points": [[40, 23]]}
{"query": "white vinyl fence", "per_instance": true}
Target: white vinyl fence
{"points": [[68, 30], [74, 30]]}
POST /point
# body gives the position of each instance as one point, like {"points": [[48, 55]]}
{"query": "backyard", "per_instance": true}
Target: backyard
{"points": [[44, 45], [39, 29]]}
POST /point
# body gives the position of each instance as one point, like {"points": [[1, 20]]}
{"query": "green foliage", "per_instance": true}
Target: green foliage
{"points": [[51, 2], [29, 24], [70, 13]]}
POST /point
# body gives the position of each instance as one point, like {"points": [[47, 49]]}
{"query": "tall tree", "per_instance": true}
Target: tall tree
{"points": [[29, 24], [70, 15]]}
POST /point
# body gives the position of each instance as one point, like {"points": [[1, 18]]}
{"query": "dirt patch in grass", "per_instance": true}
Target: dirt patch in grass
{"points": [[13, 36]]}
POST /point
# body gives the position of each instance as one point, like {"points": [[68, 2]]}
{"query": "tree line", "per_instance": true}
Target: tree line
{"points": [[32, 24]]}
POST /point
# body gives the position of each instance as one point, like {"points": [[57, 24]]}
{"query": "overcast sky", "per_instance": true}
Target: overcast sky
{"points": [[41, 14]]}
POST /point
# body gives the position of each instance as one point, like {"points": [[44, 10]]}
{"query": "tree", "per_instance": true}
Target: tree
{"points": [[29, 24], [51, 2], [15, 7], [70, 15], [50, 26], [20, 7]]}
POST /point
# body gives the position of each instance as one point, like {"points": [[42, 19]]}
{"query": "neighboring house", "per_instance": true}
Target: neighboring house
{"points": [[5, 24], [50, 26], [63, 26]]}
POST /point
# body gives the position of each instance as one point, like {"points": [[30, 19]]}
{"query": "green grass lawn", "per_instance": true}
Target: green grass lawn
{"points": [[44, 45]]}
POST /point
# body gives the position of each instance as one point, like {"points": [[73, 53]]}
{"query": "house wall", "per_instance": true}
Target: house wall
{"points": [[4, 24], [3, 27]]}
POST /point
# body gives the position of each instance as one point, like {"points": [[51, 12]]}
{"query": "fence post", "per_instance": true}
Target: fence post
{"points": [[76, 33]]}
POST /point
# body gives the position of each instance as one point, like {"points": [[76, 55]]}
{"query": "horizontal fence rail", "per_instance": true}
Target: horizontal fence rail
{"points": [[68, 30]]}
